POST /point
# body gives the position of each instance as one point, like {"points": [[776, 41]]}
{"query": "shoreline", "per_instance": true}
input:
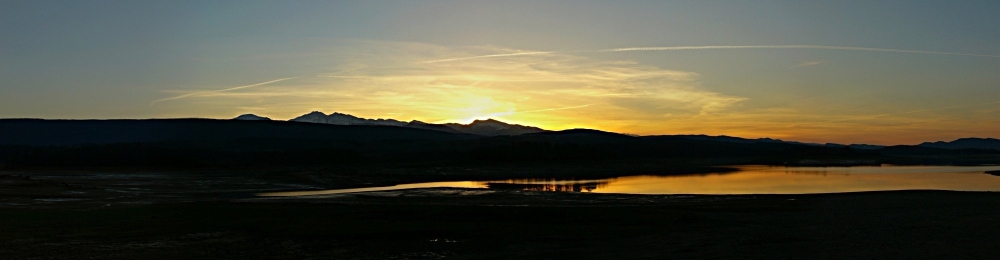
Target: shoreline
{"points": [[457, 224], [169, 215], [221, 185]]}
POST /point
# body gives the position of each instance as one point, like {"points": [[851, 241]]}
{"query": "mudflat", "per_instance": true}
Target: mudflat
{"points": [[96, 222]]}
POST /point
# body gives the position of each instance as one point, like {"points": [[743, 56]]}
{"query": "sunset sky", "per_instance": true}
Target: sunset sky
{"points": [[878, 72]]}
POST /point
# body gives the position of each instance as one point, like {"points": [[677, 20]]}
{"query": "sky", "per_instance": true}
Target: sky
{"points": [[877, 72]]}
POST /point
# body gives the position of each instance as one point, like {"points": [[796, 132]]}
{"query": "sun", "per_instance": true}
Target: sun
{"points": [[482, 108]]}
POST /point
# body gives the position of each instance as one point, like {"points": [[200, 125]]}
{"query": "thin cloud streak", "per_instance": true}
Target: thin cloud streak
{"points": [[806, 64], [216, 91], [494, 56], [551, 109], [723, 47], [818, 47]]}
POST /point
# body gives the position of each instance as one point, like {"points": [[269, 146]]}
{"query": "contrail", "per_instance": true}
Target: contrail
{"points": [[820, 47], [492, 56], [723, 47], [216, 91], [806, 64]]}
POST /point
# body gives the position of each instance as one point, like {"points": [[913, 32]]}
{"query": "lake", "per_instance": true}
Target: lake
{"points": [[747, 180]]}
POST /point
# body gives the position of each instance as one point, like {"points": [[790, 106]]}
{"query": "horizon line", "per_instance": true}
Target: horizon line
{"points": [[621, 133]]}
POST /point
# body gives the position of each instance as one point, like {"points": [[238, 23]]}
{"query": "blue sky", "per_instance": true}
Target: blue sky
{"points": [[115, 59]]}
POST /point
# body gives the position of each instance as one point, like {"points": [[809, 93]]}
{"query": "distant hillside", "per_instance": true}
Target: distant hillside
{"points": [[723, 138], [344, 119], [228, 143], [435, 127], [251, 117], [491, 127], [76, 132], [966, 143], [731, 139]]}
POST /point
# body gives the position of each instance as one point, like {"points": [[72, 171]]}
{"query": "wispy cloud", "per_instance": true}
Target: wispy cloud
{"points": [[561, 90], [806, 64], [718, 47], [817, 47], [494, 56], [553, 109], [552, 90], [203, 93]]}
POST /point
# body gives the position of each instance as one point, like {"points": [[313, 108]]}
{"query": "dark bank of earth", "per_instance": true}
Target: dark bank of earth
{"points": [[226, 183], [214, 215], [184, 189], [477, 224]]}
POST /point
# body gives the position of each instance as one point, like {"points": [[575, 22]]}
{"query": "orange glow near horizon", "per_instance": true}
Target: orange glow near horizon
{"points": [[565, 91], [817, 71]]}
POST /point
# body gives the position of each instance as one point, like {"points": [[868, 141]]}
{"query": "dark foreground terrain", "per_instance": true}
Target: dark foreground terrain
{"points": [[130, 216]]}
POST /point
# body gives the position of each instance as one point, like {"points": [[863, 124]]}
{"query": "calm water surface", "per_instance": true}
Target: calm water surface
{"points": [[748, 180]]}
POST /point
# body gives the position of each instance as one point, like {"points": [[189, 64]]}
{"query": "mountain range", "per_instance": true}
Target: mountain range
{"points": [[488, 127], [966, 143], [492, 127], [342, 140]]}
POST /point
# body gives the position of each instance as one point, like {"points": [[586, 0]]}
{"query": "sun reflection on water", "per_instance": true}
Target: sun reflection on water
{"points": [[748, 180]]}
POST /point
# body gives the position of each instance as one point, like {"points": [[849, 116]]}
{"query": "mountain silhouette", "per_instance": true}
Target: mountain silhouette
{"points": [[435, 127], [82, 132], [488, 127], [723, 138], [251, 117], [213, 142], [966, 143], [344, 119], [492, 127]]}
